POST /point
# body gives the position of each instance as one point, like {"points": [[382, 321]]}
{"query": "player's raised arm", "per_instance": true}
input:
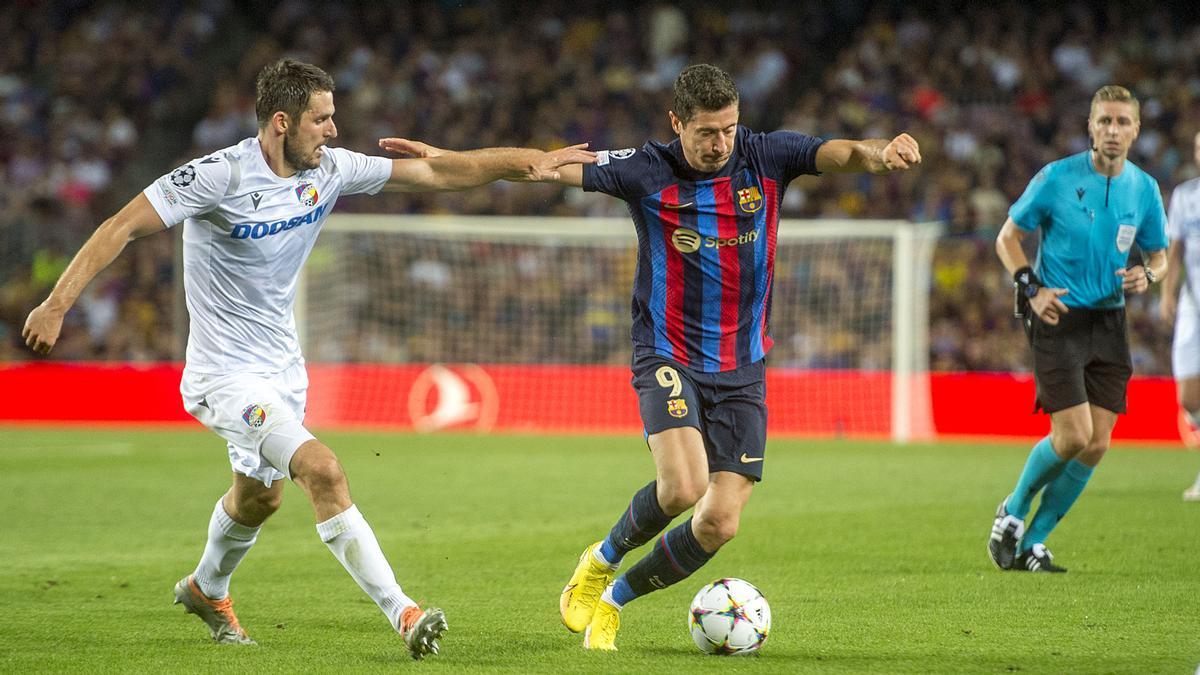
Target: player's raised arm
{"points": [[431, 168], [137, 219], [873, 155]]}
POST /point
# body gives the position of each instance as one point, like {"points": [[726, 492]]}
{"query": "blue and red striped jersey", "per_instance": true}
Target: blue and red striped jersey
{"points": [[706, 243]]}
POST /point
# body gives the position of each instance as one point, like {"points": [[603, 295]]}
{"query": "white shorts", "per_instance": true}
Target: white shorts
{"points": [[1185, 348], [245, 409]]}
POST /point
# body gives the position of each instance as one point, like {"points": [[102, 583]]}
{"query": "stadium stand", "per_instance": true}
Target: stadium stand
{"points": [[991, 93]]}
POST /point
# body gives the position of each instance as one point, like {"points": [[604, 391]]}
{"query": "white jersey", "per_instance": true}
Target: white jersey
{"points": [[246, 234], [1183, 225]]}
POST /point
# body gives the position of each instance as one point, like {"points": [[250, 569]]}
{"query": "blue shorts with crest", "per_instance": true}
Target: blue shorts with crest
{"points": [[729, 408]]}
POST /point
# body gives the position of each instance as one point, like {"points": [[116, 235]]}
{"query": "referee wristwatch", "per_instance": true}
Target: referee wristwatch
{"points": [[1150, 275]]}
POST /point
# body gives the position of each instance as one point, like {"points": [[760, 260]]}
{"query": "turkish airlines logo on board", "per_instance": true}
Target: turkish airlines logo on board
{"points": [[453, 397]]}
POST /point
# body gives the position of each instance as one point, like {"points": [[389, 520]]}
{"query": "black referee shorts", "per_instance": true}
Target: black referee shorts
{"points": [[1082, 359]]}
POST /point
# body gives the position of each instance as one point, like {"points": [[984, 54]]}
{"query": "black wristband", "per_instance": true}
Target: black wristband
{"points": [[1026, 276], [1027, 282]]}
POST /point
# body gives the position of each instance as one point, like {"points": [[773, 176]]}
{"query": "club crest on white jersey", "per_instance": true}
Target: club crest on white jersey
{"points": [[246, 234]]}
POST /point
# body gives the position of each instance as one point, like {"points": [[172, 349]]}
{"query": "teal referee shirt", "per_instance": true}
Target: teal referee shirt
{"points": [[1089, 222]]}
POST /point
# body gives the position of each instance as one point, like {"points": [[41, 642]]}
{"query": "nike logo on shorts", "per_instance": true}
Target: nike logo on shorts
{"points": [[746, 459]]}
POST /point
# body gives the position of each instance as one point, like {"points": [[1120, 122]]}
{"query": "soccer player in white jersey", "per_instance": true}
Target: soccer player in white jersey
{"points": [[1181, 305], [251, 213]]}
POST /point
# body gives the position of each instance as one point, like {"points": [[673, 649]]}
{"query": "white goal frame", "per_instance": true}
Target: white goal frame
{"points": [[912, 255]]}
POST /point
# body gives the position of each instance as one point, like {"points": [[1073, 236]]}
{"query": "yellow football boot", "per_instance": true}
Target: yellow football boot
{"points": [[582, 593], [602, 631]]}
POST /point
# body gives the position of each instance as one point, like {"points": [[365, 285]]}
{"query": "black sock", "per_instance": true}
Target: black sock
{"points": [[675, 556], [640, 523]]}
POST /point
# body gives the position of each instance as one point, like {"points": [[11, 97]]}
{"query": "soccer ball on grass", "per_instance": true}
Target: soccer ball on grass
{"points": [[729, 616]]}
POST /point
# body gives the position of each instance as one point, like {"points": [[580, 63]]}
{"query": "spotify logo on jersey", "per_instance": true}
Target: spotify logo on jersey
{"points": [[690, 241], [687, 241]]}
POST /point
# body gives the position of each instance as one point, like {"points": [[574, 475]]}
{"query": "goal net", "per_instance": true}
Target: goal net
{"points": [[457, 322]]}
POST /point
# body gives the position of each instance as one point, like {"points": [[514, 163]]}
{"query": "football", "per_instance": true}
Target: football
{"points": [[729, 616]]}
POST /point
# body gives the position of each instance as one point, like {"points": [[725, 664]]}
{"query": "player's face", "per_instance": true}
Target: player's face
{"points": [[304, 142], [708, 137], [1113, 127]]}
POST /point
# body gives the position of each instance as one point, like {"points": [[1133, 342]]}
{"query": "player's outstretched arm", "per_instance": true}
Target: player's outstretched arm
{"points": [[433, 169], [137, 219], [873, 155]]}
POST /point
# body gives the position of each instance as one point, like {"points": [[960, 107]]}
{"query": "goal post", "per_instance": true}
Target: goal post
{"points": [[411, 321]]}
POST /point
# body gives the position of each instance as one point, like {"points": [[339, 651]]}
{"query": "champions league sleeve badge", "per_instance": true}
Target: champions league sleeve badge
{"points": [[184, 175]]}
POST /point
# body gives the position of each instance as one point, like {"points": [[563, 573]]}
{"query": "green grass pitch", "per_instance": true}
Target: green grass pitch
{"points": [[872, 557]]}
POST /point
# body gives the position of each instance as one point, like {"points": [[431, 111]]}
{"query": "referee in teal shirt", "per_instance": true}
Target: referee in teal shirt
{"points": [[1091, 209]]}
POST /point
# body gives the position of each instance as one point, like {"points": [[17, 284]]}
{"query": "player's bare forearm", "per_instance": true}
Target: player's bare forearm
{"points": [[476, 167], [448, 171], [875, 155], [442, 170], [1174, 278], [570, 175], [1169, 304], [137, 219]]}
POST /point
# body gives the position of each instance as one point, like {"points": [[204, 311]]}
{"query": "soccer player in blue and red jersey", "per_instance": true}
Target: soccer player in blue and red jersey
{"points": [[706, 209]]}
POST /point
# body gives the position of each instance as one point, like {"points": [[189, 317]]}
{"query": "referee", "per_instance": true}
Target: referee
{"points": [[1091, 208]]}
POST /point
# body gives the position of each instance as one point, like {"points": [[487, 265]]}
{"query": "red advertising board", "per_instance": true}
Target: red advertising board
{"points": [[559, 399]]}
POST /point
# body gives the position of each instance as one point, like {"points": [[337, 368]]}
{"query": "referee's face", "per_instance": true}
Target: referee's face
{"points": [[1113, 127], [707, 139]]}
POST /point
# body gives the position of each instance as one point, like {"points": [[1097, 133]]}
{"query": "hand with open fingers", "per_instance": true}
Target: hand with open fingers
{"points": [[1047, 306], [409, 148], [545, 167], [902, 153], [1133, 279], [42, 329]]}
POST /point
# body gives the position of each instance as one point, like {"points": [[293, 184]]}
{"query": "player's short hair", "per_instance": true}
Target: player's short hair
{"points": [[1118, 94], [703, 87], [287, 85]]}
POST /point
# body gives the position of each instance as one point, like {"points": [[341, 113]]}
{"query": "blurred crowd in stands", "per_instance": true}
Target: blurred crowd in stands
{"points": [[99, 98]]}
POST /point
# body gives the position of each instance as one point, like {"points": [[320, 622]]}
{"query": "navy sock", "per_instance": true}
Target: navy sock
{"points": [[640, 523], [675, 556]]}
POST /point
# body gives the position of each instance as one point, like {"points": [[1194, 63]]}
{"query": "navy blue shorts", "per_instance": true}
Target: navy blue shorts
{"points": [[728, 408]]}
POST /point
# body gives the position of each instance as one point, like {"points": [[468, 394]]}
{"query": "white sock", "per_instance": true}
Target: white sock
{"points": [[228, 542], [607, 596], [353, 543], [598, 556]]}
